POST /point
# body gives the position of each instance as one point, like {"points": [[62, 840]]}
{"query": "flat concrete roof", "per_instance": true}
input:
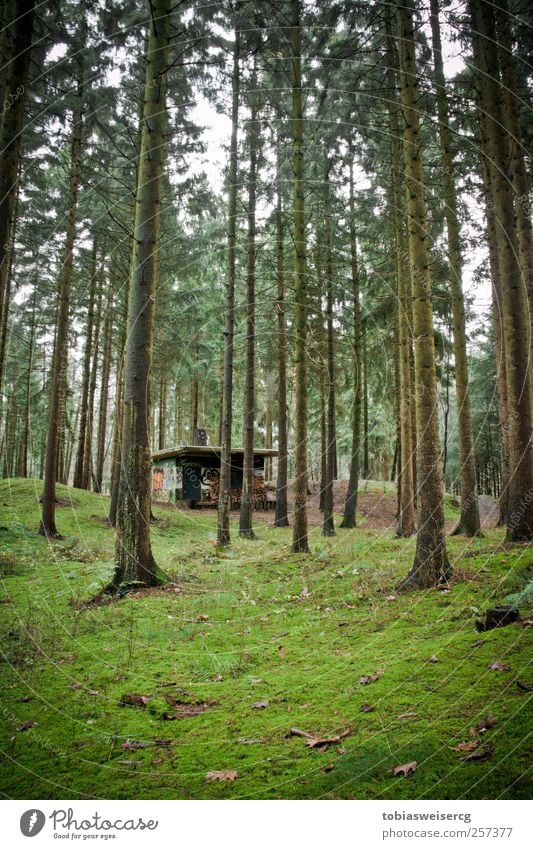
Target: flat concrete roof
{"points": [[206, 451]]}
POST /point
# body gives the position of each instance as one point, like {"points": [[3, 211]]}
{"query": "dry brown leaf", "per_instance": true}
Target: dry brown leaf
{"points": [[328, 768], [523, 686], [484, 751], [433, 659], [281, 651], [465, 747], [478, 643], [499, 667], [222, 775], [405, 769], [369, 679], [366, 708], [129, 763], [259, 705], [489, 722], [409, 715], [526, 623]]}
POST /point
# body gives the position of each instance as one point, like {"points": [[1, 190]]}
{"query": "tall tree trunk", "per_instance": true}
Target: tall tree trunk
{"points": [[406, 519], [431, 565], [133, 554], [223, 534], [104, 395], [88, 466], [299, 539], [162, 428], [245, 519], [517, 164], [48, 519], [514, 300], [350, 505], [328, 524], [16, 48], [281, 519], [366, 447], [469, 518], [27, 403], [86, 373]]}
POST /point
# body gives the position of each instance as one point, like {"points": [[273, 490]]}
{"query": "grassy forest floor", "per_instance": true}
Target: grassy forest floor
{"points": [[141, 698]]}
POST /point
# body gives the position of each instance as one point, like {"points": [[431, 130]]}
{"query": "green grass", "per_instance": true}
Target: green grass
{"points": [[253, 623]]}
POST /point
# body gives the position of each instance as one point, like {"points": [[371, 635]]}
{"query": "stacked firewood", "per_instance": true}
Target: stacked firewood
{"points": [[258, 490]]}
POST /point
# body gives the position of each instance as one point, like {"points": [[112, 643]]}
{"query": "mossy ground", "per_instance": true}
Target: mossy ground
{"points": [[253, 623]]}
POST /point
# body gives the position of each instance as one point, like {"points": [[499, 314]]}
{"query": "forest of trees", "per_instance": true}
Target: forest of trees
{"points": [[321, 292]]}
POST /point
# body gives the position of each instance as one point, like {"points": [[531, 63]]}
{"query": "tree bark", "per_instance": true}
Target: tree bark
{"points": [[299, 540], [431, 565], [86, 373], [245, 519], [469, 519], [223, 533], [281, 519], [133, 554], [328, 524], [104, 395], [16, 47], [514, 298], [48, 519], [350, 505]]}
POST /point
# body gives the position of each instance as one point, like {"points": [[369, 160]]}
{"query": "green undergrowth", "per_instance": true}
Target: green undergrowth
{"points": [[254, 625]]}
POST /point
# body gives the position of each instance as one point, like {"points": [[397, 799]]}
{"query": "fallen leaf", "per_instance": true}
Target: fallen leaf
{"points": [[443, 588], [489, 722], [478, 643], [366, 708], [163, 741], [341, 750], [405, 769], [499, 667], [316, 742], [245, 742], [259, 705], [484, 751], [328, 768], [222, 775], [409, 715], [523, 686], [465, 747], [281, 651], [526, 623], [75, 686], [25, 725], [134, 699], [68, 658], [433, 659], [369, 679], [218, 677], [26, 699], [202, 617], [255, 680], [391, 598], [277, 637], [93, 692], [129, 763]]}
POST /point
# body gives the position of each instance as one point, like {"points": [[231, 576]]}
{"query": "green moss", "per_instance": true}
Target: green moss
{"points": [[248, 624]]}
